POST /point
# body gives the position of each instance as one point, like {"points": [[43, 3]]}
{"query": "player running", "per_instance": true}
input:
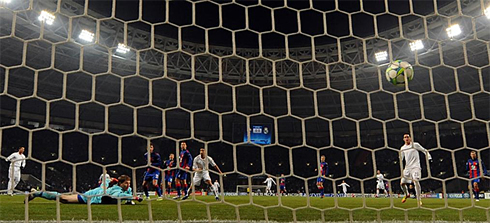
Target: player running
{"points": [[151, 175], [282, 185], [200, 166], [380, 184], [169, 174], [269, 181], [17, 162], [323, 171], [217, 186], [344, 186], [412, 172], [185, 159], [473, 166]]}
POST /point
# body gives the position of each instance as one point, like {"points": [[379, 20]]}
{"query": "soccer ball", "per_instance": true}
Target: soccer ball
{"points": [[397, 71]]}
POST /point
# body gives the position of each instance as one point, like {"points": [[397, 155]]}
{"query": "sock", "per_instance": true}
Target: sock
{"points": [[185, 189], [322, 192], [168, 190], [417, 189], [50, 195], [405, 189], [177, 187], [215, 190], [477, 193], [159, 190], [377, 192], [145, 189]]}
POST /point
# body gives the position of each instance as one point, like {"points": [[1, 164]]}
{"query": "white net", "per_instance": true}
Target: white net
{"points": [[265, 87]]}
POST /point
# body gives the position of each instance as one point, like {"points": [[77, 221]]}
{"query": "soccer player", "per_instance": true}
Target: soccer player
{"points": [[97, 195], [282, 184], [185, 159], [217, 186], [323, 173], [473, 166], [152, 174], [412, 171], [169, 174], [381, 184], [200, 165], [17, 162], [269, 181], [344, 186]]}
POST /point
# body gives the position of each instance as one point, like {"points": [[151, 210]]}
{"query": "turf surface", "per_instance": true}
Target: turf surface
{"points": [[255, 208]]}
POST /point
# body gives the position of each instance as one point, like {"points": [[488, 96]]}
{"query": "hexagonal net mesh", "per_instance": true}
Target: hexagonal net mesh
{"points": [[264, 87]]}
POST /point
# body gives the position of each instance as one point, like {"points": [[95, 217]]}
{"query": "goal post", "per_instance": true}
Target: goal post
{"points": [[246, 189]]}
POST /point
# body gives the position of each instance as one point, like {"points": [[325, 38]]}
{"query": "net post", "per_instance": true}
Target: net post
{"points": [[150, 212], [89, 209], [58, 209], [237, 212], [266, 214], [26, 208], [119, 210], [179, 211], [208, 212]]}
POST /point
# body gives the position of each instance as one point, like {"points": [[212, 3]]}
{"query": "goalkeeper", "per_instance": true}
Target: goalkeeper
{"points": [[106, 193]]}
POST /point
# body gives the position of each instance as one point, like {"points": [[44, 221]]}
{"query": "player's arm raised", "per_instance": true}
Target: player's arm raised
{"points": [[419, 147]]}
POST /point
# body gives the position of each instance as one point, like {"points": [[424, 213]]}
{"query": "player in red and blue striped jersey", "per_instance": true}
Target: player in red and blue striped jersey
{"points": [[181, 175], [152, 174], [323, 171], [169, 174], [282, 184], [473, 166]]}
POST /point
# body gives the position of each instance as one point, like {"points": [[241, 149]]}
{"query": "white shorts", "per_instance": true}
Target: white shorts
{"points": [[411, 174], [380, 186], [15, 175], [198, 176]]}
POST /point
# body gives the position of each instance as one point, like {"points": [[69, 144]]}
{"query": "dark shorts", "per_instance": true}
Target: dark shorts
{"points": [[181, 175], [81, 200], [151, 176], [320, 180], [282, 187], [169, 178], [475, 181]]}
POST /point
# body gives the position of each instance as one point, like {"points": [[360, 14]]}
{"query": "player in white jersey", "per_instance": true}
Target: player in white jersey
{"points": [[17, 161], [344, 186], [412, 171], [269, 181], [380, 184], [200, 166], [217, 186]]}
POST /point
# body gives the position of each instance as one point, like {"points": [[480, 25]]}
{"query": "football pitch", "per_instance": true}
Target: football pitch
{"points": [[257, 208]]}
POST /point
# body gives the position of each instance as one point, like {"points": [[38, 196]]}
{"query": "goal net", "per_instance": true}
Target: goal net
{"points": [[266, 88]]}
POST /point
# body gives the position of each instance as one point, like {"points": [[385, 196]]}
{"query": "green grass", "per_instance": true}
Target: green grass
{"points": [[257, 208]]}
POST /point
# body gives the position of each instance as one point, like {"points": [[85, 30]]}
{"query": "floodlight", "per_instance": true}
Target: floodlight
{"points": [[453, 31], [487, 12], [5, 1], [47, 17], [86, 35], [121, 48], [416, 45], [381, 56]]}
